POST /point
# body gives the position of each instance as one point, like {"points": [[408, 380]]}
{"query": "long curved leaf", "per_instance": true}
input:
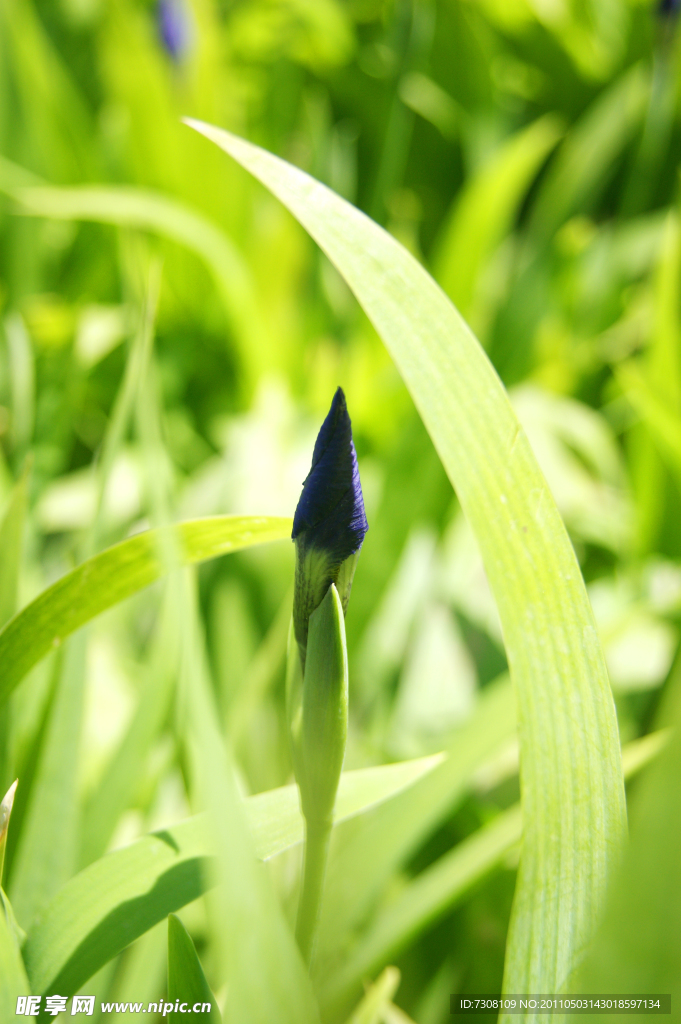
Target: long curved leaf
{"points": [[110, 577], [573, 793]]}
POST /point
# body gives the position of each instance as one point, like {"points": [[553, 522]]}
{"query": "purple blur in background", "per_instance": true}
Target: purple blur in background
{"points": [[174, 27]]}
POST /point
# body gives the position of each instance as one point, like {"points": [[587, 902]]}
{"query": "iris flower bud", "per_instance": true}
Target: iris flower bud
{"points": [[329, 524]]}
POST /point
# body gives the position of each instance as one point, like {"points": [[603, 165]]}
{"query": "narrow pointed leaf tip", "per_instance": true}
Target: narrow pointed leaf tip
{"points": [[330, 522], [5, 813], [6, 809]]}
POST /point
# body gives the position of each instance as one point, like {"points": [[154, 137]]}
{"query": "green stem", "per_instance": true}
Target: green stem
{"points": [[317, 836]]}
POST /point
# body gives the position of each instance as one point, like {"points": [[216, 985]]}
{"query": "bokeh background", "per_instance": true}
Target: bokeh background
{"points": [[527, 152]]}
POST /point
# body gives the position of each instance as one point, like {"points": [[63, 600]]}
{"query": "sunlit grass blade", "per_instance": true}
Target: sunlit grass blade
{"points": [[126, 206], [573, 792], [104, 807], [45, 95], [588, 154], [372, 1008], [46, 853], [118, 784], [186, 980], [652, 385], [661, 420], [22, 382], [5, 815], [11, 547], [275, 820], [259, 675], [118, 898], [11, 543], [483, 213], [110, 577], [13, 980], [38, 700], [121, 413]]}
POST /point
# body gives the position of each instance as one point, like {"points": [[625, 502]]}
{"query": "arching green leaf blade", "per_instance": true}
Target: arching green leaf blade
{"points": [[110, 577], [573, 793]]}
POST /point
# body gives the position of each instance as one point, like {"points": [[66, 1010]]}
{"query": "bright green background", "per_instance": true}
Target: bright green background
{"points": [[170, 342]]}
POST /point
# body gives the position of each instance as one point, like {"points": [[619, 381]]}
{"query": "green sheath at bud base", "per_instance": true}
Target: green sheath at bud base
{"points": [[318, 715], [320, 731]]}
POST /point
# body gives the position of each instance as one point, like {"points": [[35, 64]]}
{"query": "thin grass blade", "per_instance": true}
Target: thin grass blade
{"points": [[46, 852], [13, 980], [186, 980]]}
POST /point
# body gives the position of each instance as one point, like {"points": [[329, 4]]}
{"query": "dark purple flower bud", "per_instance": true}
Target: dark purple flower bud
{"points": [[329, 524], [173, 27]]}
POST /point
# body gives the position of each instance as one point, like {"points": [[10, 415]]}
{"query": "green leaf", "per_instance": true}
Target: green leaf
{"points": [[110, 577], [652, 385], [260, 674], [659, 417], [656, 393], [21, 359], [11, 544], [120, 781], [115, 900], [13, 980], [46, 852], [483, 213], [186, 980], [573, 793], [372, 1008], [45, 96], [125, 206], [588, 155], [5, 815]]}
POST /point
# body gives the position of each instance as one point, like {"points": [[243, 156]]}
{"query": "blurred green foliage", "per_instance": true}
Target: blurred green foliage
{"points": [[528, 154]]}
